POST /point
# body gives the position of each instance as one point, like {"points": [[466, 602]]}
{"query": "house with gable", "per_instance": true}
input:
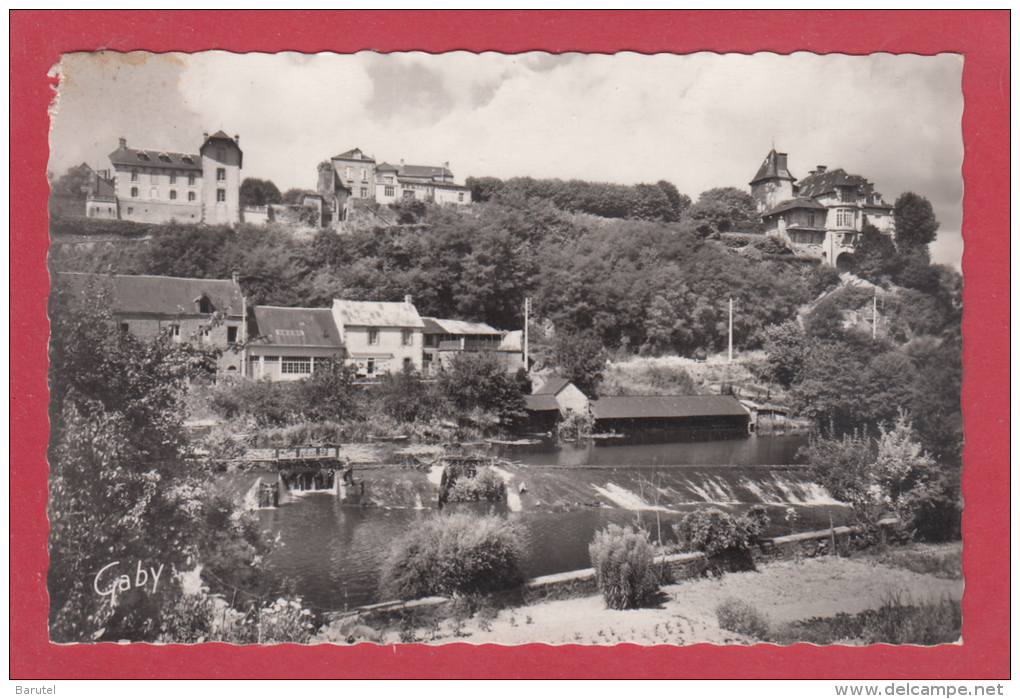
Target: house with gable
{"points": [[444, 339], [158, 186], [354, 178], [380, 337], [202, 312], [289, 344], [822, 214]]}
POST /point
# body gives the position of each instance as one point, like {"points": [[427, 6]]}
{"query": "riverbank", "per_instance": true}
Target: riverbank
{"points": [[784, 591]]}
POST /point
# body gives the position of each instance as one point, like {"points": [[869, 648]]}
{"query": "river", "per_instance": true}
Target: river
{"points": [[330, 554]]}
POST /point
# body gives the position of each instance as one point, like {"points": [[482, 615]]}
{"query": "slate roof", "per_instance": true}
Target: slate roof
{"points": [[771, 168], [618, 407], [354, 154], [540, 403], [791, 204], [423, 171], [301, 327], [378, 314], [552, 386], [137, 157], [825, 182], [442, 326], [166, 296]]}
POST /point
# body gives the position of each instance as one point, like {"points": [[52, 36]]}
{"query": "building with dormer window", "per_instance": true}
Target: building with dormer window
{"points": [[821, 215], [158, 186]]}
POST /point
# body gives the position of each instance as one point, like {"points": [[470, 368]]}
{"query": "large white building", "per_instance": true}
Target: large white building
{"points": [[822, 214], [158, 186]]}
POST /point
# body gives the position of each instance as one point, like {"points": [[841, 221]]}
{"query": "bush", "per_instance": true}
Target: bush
{"points": [[624, 566], [268, 403], [486, 486], [740, 617], [718, 533], [576, 426], [455, 554]]}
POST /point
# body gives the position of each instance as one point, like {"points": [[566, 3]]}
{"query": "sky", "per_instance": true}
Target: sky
{"points": [[699, 121]]}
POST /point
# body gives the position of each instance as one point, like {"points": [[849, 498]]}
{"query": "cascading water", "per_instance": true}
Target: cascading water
{"points": [[332, 552]]}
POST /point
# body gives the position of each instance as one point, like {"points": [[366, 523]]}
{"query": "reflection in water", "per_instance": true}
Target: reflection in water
{"points": [[331, 554]]}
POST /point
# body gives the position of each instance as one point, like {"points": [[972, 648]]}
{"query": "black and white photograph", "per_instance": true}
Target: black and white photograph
{"points": [[492, 348]]}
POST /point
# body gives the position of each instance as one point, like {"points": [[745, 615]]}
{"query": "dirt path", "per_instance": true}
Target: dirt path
{"points": [[785, 591]]}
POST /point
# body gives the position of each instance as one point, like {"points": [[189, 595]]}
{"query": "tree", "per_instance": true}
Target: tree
{"points": [[123, 497], [330, 392], [875, 255], [723, 209], [679, 203], [582, 359], [258, 192], [786, 351], [915, 224], [478, 383], [293, 196]]}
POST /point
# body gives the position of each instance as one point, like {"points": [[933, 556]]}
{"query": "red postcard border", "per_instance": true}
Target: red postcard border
{"points": [[37, 38]]}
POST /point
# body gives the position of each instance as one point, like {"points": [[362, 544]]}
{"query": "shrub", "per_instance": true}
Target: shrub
{"points": [[486, 486], [266, 402], [576, 426], [454, 554], [740, 617], [624, 566], [718, 533]]}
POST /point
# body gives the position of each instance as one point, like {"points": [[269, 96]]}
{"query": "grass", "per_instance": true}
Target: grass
{"points": [[925, 624], [941, 562], [740, 617]]}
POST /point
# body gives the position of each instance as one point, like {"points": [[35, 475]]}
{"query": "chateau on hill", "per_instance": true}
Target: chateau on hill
{"points": [[822, 214], [158, 186]]}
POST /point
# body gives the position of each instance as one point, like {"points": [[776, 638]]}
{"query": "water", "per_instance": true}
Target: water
{"points": [[330, 554]]}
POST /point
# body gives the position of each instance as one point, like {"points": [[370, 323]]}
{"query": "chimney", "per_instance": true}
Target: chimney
{"points": [[235, 275], [205, 136], [408, 298], [237, 139], [401, 162], [820, 169], [123, 143]]}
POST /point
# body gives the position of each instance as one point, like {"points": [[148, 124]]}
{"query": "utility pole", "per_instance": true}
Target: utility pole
{"points": [[731, 330], [527, 310]]}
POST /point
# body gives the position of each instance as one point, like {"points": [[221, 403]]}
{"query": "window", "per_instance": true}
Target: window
{"points": [[154, 177], [153, 193], [221, 195], [364, 175], [460, 196], [173, 194], [844, 218], [203, 334], [364, 193], [389, 191], [370, 367], [186, 159], [373, 336], [191, 180], [134, 175], [811, 219], [348, 172], [205, 305], [191, 196], [124, 327], [131, 209], [173, 178], [134, 194], [407, 364], [407, 338], [175, 332], [221, 174], [270, 359], [296, 365], [231, 333]]}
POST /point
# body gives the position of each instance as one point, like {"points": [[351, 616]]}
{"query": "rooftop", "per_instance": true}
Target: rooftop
{"points": [[617, 407], [307, 327], [168, 296], [378, 314]]}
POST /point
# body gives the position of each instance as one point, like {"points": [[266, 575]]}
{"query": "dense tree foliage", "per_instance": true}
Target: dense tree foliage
{"points": [[582, 359], [723, 209], [258, 192], [649, 202], [915, 223], [121, 489]]}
